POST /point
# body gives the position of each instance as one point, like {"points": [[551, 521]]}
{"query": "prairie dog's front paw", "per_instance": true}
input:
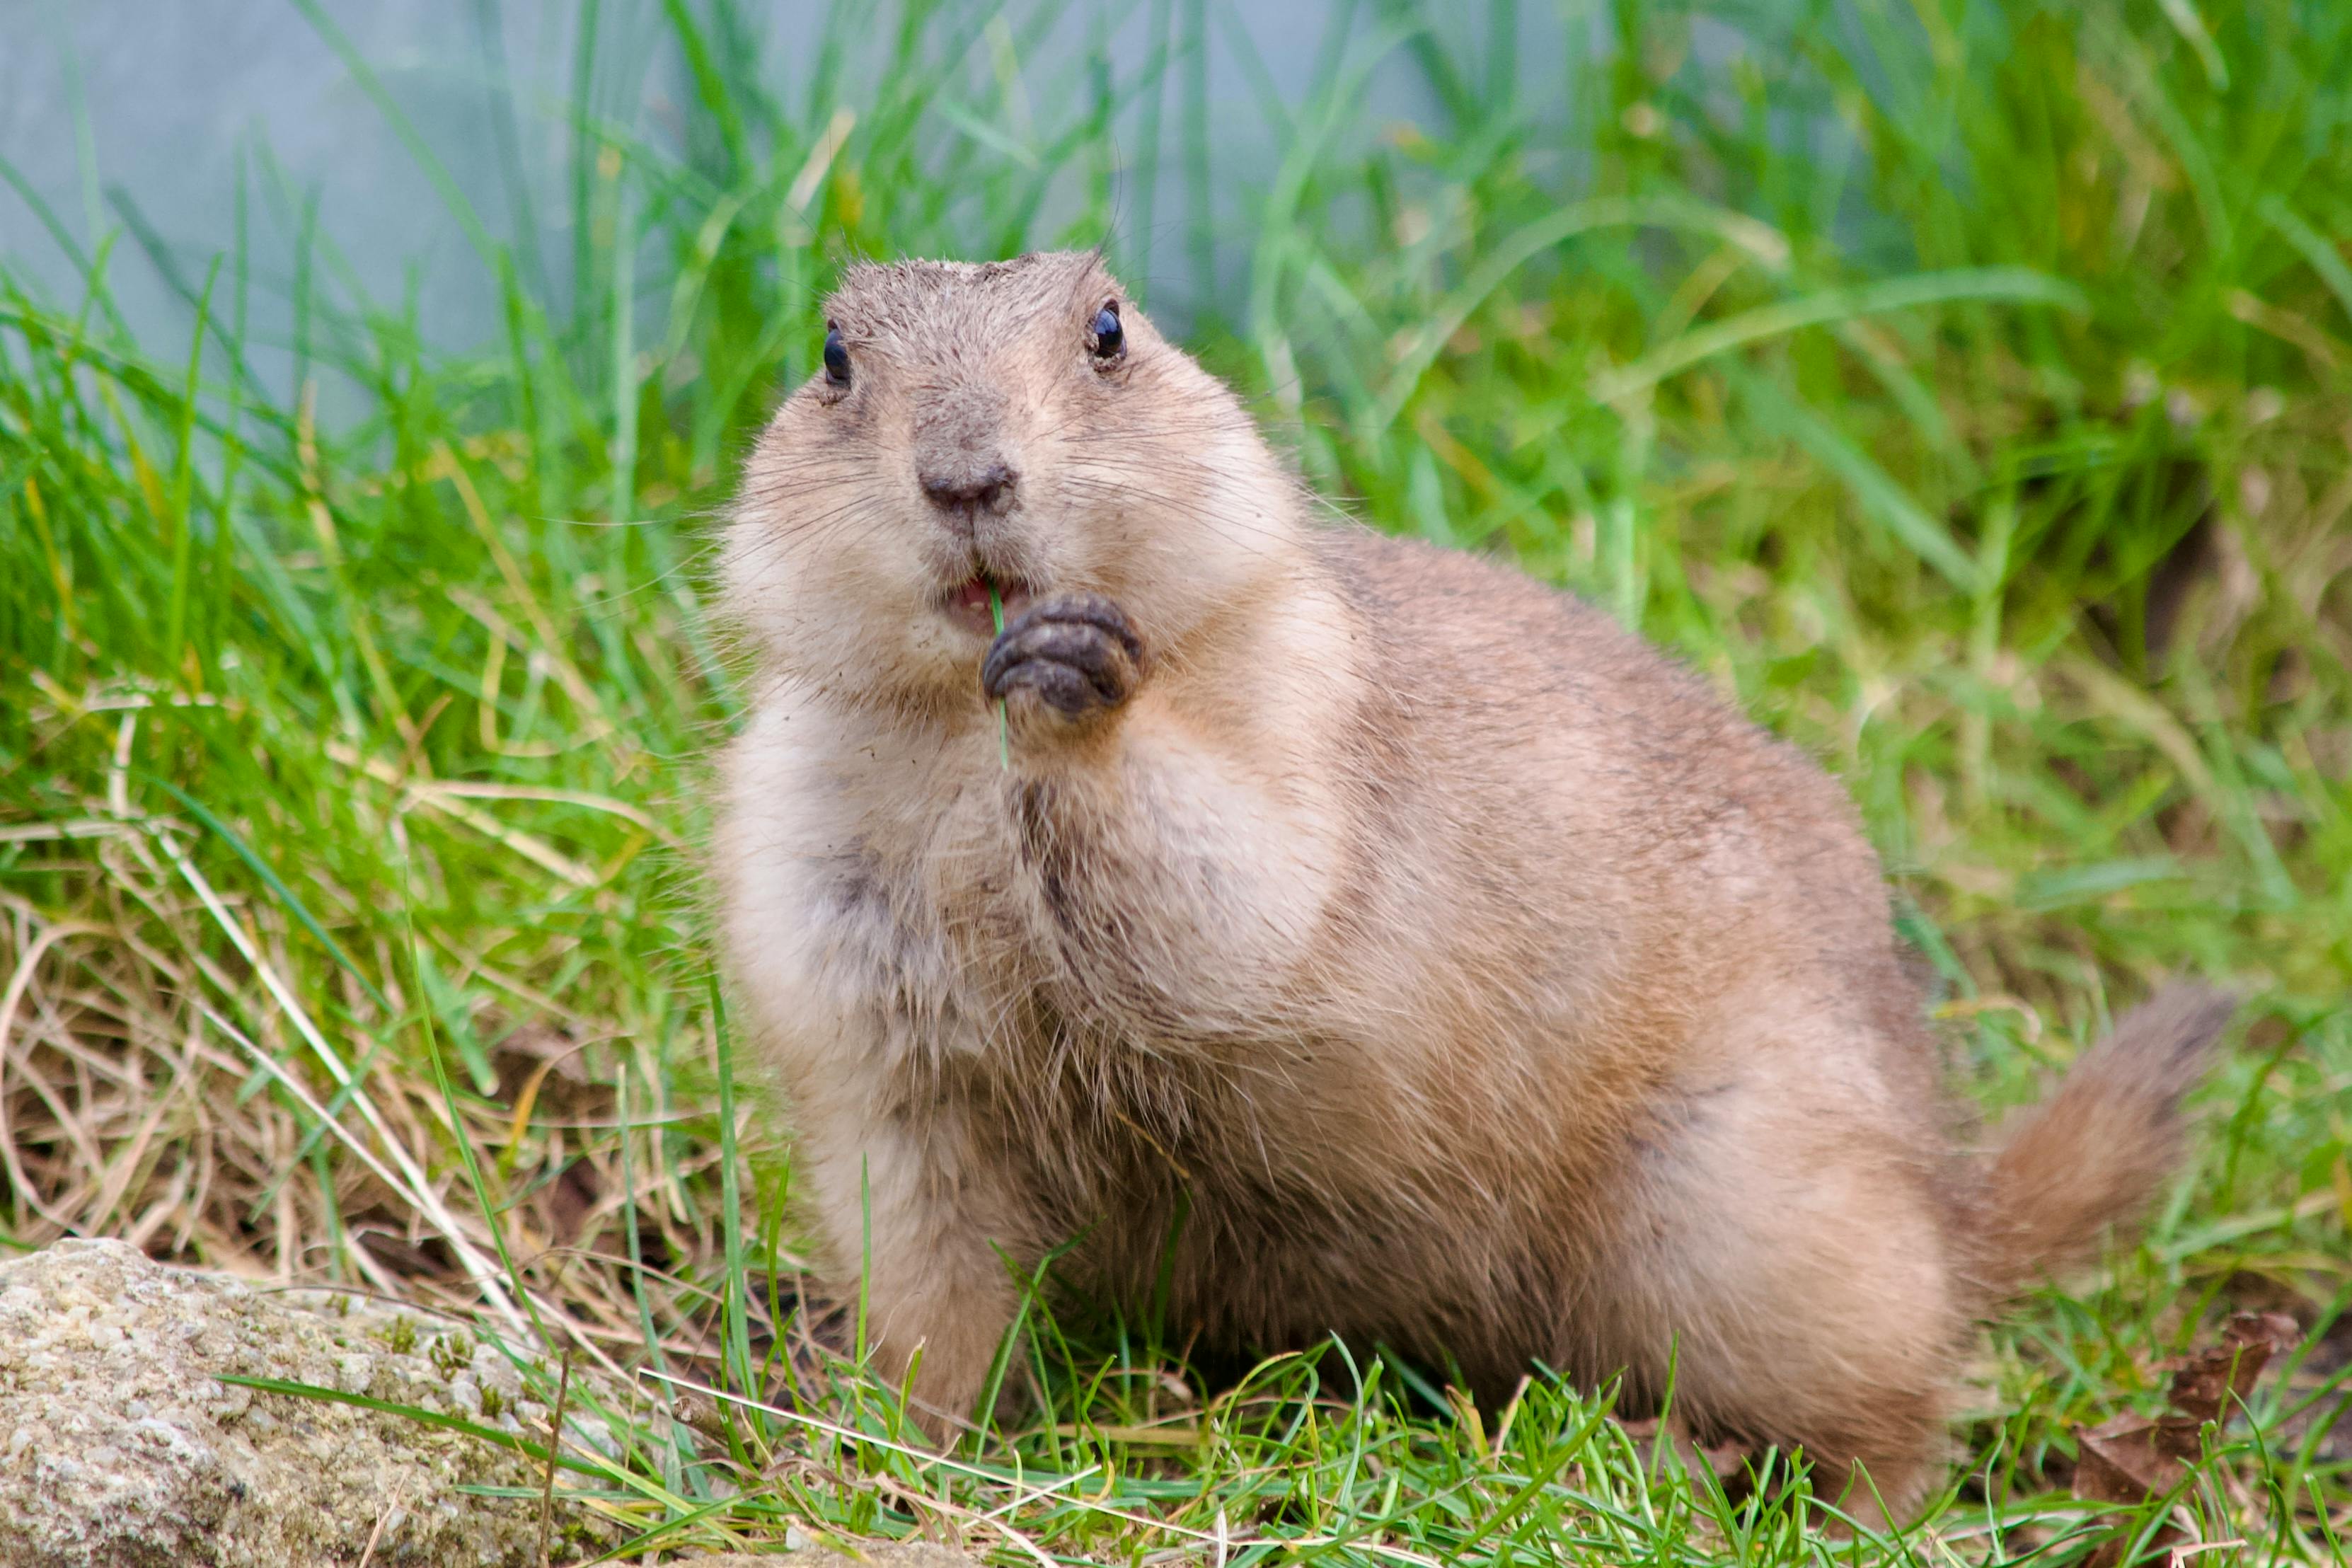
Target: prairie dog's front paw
{"points": [[1073, 654]]}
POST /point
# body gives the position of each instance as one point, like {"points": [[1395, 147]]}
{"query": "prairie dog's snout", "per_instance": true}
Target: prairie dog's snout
{"points": [[1425, 955], [964, 455], [966, 488]]}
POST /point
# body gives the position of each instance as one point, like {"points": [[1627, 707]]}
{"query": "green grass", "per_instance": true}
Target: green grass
{"points": [[1964, 386]]}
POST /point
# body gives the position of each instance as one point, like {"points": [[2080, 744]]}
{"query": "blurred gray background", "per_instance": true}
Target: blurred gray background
{"points": [[135, 119]]}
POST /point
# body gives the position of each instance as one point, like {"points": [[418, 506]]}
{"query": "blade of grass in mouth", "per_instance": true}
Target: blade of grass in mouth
{"points": [[1003, 723]]}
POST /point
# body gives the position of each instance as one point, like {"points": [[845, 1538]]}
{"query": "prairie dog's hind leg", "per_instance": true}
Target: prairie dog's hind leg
{"points": [[1791, 1257]]}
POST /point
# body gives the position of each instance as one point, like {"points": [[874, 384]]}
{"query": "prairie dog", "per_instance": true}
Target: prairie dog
{"points": [[1468, 977]]}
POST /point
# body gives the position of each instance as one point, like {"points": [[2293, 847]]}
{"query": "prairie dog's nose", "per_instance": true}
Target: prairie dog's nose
{"points": [[965, 491]]}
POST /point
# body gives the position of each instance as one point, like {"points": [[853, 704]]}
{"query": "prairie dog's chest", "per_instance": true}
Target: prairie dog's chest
{"points": [[864, 885]]}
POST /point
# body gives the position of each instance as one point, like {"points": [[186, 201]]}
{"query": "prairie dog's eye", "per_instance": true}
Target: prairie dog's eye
{"points": [[1109, 337], [836, 358]]}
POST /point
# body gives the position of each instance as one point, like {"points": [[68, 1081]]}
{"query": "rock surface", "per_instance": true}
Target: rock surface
{"points": [[120, 1444]]}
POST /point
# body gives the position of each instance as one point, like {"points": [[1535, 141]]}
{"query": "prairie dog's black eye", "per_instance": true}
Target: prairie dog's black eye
{"points": [[836, 358], [1109, 337]]}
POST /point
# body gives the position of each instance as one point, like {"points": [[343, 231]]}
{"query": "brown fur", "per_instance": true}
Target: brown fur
{"points": [[1485, 986]]}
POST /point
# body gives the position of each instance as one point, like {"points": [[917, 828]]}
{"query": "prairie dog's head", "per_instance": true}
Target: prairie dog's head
{"points": [[1015, 425]]}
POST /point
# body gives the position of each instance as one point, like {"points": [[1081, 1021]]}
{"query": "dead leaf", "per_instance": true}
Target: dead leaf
{"points": [[2205, 1386], [2130, 1458], [2126, 1461]]}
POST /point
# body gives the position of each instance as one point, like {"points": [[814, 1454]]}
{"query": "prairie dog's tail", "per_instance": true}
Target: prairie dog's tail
{"points": [[2094, 1153]]}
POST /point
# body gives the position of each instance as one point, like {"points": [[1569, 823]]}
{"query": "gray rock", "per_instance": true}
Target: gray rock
{"points": [[119, 1445]]}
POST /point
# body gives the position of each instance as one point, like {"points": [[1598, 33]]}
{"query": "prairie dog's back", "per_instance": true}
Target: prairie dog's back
{"points": [[1609, 775]]}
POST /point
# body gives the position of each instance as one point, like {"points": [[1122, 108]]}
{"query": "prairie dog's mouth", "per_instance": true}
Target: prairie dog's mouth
{"points": [[968, 606]]}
